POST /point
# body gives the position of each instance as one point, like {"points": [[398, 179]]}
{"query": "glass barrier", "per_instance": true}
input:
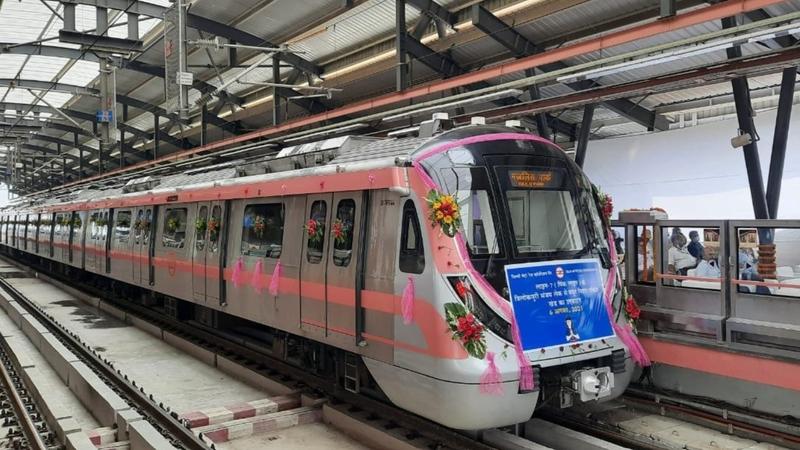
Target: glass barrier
{"points": [[691, 257], [645, 256], [618, 233], [768, 261]]}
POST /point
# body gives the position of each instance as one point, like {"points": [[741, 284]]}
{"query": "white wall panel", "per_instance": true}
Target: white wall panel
{"points": [[693, 173]]}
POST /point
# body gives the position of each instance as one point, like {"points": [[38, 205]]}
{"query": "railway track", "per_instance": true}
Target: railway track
{"points": [[20, 421], [163, 420], [412, 428]]}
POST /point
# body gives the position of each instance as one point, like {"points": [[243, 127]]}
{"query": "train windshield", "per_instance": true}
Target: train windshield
{"points": [[472, 191], [541, 210]]}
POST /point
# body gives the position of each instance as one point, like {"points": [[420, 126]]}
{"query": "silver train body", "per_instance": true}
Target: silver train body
{"points": [[211, 239]]}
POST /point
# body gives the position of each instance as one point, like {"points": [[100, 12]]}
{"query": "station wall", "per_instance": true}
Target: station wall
{"points": [[693, 173]]}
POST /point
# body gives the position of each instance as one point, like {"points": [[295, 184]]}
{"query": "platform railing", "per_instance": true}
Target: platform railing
{"points": [[738, 284]]}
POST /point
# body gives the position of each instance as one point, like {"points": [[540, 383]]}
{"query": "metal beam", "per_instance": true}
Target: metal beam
{"points": [[435, 10], [780, 41], [447, 67], [520, 47], [400, 39], [205, 24], [779, 140], [744, 115], [583, 135]]}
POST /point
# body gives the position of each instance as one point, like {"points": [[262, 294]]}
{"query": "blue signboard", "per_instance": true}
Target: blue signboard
{"points": [[558, 303], [105, 115]]}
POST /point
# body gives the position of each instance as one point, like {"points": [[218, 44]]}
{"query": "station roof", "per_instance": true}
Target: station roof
{"points": [[348, 45]]}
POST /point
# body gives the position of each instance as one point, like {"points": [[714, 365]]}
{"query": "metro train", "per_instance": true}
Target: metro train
{"points": [[347, 221]]}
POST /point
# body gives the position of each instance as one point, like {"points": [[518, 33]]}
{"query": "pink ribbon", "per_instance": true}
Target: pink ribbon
{"points": [[236, 276], [407, 302], [490, 380], [257, 281], [275, 282], [625, 332]]}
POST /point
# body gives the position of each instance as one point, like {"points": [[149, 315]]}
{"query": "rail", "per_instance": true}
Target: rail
{"points": [[24, 420], [180, 434], [256, 357]]}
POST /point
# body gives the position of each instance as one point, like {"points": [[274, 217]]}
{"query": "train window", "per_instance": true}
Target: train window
{"points": [[412, 253], [200, 227], [174, 232], [148, 218], [94, 226], [262, 230], [471, 189], [104, 228], [138, 227], [315, 229], [57, 226], [122, 227], [342, 232], [214, 227]]}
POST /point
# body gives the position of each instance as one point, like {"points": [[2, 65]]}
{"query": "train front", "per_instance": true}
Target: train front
{"points": [[529, 230]]}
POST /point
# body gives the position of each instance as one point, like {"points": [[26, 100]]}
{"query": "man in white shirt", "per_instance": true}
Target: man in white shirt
{"points": [[679, 260]]}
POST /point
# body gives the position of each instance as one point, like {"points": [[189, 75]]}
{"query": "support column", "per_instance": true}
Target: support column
{"points": [[778, 158], [541, 118], [156, 136], [583, 134], [744, 114], [203, 125], [402, 75], [276, 98], [80, 157]]}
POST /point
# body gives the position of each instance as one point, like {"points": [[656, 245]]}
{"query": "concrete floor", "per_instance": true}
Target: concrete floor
{"points": [[56, 390], [173, 377], [315, 436]]}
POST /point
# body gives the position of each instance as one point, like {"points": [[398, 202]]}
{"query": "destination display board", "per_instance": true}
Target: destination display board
{"points": [[534, 178], [558, 303]]}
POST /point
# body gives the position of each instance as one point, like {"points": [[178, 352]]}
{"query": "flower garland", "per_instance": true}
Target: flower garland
{"points": [[259, 225], [200, 226], [173, 224], [606, 203], [314, 230], [631, 309], [100, 221], [340, 232], [64, 220], [465, 329], [444, 211], [213, 229]]}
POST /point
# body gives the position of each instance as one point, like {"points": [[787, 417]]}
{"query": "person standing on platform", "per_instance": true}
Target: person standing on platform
{"points": [[695, 248]]}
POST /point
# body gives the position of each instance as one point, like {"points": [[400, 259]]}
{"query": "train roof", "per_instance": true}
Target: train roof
{"points": [[299, 160], [350, 152]]}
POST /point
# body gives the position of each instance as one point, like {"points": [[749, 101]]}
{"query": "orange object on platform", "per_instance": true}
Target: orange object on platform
{"points": [[767, 371]]}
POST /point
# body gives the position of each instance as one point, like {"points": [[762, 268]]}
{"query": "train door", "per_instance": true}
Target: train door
{"points": [[206, 253], [345, 241], [313, 295], [92, 238], [77, 238], [199, 261], [143, 228], [120, 254]]}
